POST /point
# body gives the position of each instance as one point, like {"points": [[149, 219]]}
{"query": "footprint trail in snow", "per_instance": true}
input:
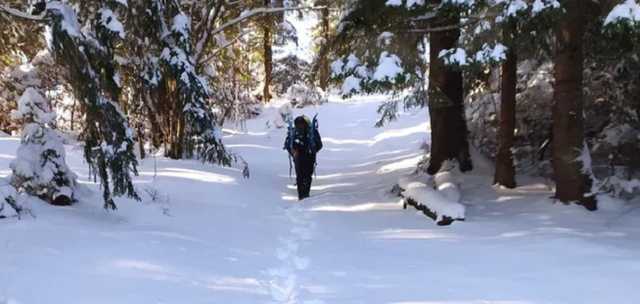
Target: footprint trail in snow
{"points": [[285, 283]]}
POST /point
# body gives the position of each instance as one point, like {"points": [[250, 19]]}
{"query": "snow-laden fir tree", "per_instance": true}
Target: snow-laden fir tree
{"points": [[40, 168], [191, 129], [87, 56]]}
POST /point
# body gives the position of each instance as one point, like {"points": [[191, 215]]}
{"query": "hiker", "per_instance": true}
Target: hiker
{"points": [[303, 143]]}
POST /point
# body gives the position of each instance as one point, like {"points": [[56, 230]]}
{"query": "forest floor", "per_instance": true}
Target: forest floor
{"points": [[212, 237]]}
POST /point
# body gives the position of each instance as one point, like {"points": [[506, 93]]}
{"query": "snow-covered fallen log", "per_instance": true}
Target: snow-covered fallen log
{"points": [[440, 201]]}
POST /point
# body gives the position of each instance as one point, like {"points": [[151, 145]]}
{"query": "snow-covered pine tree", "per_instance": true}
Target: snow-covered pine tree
{"points": [[89, 63], [9, 205], [192, 130], [40, 168]]}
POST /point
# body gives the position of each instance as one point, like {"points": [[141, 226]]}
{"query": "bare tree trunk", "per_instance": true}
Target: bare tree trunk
{"points": [[267, 48], [267, 61], [572, 185], [141, 141], [446, 108], [505, 170], [324, 61]]}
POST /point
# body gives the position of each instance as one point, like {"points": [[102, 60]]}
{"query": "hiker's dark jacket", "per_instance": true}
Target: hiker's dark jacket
{"points": [[303, 153]]}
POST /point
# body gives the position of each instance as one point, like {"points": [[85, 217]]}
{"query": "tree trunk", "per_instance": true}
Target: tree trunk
{"points": [[446, 107], [267, 43], [505, 170], [324, 61], [572, 185], [141, 142], [268, 62]]}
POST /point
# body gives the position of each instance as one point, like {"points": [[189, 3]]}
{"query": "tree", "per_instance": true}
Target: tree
{"points": [[40, 168], [88, 59], [445, 95], [384, 45], [505, 169], [569, 148]]}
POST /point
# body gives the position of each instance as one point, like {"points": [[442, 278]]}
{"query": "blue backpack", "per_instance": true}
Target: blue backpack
{"points": [[312, 141]]}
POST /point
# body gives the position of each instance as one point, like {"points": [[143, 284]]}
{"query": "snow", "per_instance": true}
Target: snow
{"points": [[69, 18], [513, 7], [33, 105], [389, 67], [488, 54], [351, 85], [352, 62], [455, 56], [412, 3], [181, 24], [336, 67], [111, 22], [540, 5], [628, 11], [384, 38], [394, 2], [204, 235]]}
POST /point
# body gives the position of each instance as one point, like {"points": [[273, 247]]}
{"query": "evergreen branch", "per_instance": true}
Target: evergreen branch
{"points": [[226, 45], [261, 11], [20, 14]]}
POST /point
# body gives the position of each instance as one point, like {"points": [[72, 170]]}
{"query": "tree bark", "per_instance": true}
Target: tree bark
{"points": [[572, 185], [446, 107], [267, 61], [505, 169], [267, 46], [324, 61]]}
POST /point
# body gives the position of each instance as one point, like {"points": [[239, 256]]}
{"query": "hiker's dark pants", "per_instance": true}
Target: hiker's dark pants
{"points": [[305, 165]]}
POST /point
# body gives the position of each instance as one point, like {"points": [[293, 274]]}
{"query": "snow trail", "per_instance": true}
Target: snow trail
{"points": [[211, 237]]}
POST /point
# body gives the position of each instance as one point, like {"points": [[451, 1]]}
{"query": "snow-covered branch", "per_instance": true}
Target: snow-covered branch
{"points": [[261, 11], [20, 14], [224, 46]]}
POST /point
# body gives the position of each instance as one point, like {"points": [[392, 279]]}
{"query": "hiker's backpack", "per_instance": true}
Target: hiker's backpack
{"points": [[291, 134], [312, 142], [313, 132]]}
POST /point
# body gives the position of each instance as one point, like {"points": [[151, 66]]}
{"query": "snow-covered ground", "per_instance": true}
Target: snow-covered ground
{"points": [[213, 237]]}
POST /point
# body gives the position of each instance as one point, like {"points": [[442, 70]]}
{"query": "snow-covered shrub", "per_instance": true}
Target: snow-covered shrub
{"points": [[9, 205], [301, 95], [40, 168]]}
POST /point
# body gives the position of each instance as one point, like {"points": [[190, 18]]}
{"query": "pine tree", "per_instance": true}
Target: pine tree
{"points": [[88, 60], [572, 184], [40, 168]]}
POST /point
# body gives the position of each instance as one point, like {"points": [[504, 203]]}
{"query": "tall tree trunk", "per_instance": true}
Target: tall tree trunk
{"points": [[446, 107], [267, 61], [267, 48], [505, 169], [324, 61], [572, 185]]}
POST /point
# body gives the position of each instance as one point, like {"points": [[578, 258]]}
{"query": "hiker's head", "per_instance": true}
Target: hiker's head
{"points": [[302, 122]]}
